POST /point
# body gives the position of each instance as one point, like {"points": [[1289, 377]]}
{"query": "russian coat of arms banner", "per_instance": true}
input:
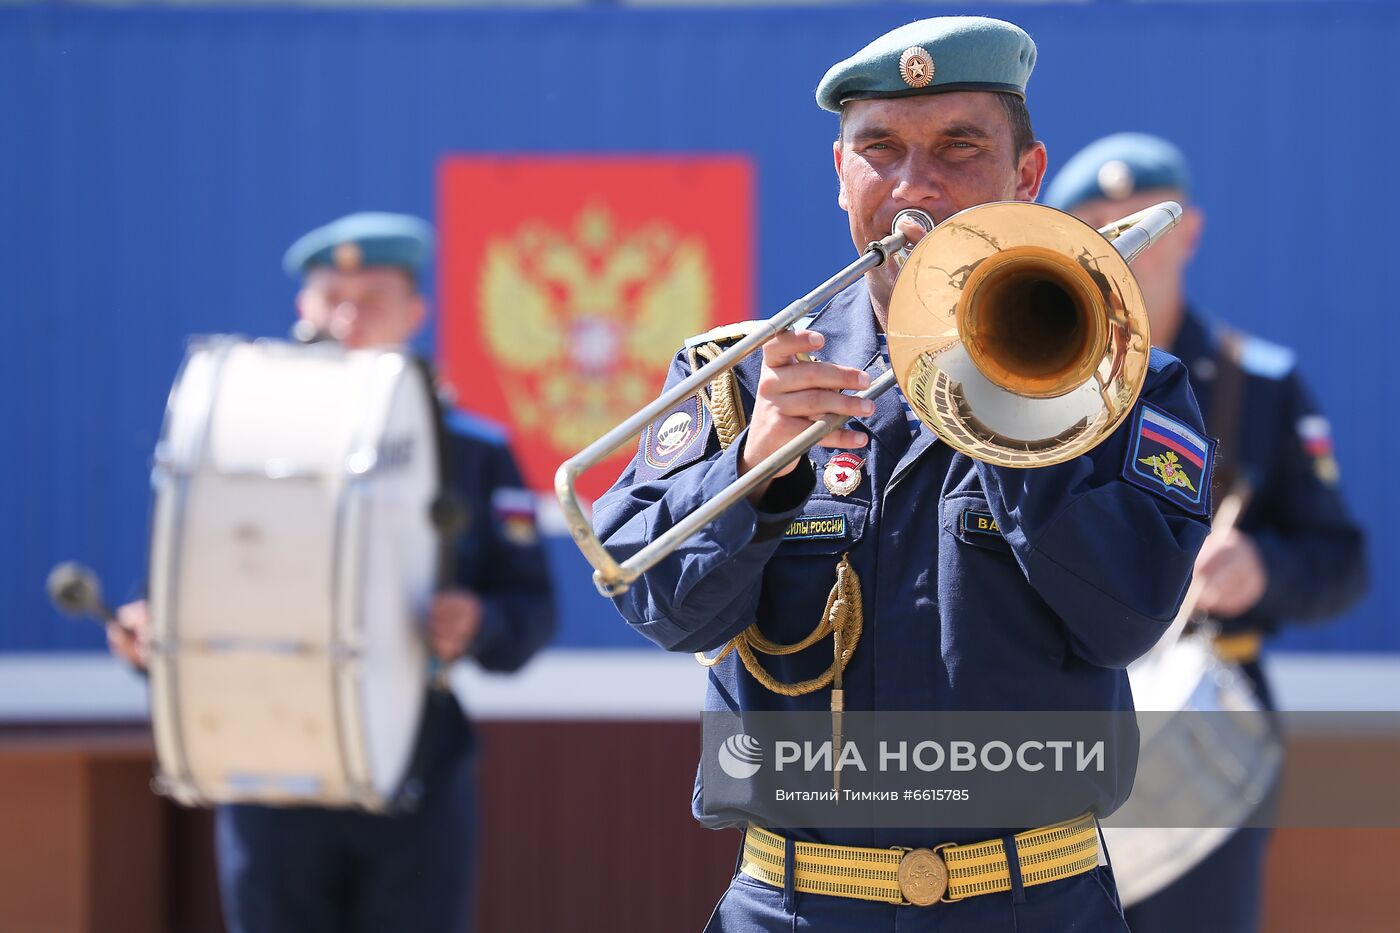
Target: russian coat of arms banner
{"points": [[568, 283]]}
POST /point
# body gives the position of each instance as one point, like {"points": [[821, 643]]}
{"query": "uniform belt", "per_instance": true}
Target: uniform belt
{"points": [[924, 876], [1240, 648]]}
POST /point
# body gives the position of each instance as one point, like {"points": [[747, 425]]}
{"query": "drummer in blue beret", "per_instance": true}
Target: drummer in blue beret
{"points": [[378, 257], [888, 572], [318, 870], [363, 240], [1296, 554]]}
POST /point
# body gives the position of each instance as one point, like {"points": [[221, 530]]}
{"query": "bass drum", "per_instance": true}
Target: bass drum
{"points": [[1209, 757], [292, 560]]}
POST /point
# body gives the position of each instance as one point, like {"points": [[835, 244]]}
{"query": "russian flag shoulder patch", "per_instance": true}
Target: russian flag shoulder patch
{"points": [[1170, 459]]}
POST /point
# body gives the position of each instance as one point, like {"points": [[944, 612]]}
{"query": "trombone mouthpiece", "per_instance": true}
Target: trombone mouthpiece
{"points": [[919, 217]]}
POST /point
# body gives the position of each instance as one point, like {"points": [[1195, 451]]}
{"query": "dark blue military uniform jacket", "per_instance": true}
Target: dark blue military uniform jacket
{"points": [[497, 556], [1086, 573], [1313, 550]]}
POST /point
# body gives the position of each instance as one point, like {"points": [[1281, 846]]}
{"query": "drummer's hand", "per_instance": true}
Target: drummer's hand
{"points": [[453, 621], [129, 636], [1231, 573], [792, 394]]}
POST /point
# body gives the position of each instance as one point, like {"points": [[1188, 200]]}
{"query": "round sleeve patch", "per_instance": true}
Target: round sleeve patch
{"points": [[676, 439]]}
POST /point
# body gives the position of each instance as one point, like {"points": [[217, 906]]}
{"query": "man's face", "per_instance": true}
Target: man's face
{"points": [[937, 152], [371, 307]]}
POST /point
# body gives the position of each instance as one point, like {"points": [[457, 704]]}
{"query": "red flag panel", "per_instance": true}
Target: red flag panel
{"points": [[569, 282]]}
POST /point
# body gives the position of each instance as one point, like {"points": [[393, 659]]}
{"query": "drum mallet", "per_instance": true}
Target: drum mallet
{"points": [[75, 591]]}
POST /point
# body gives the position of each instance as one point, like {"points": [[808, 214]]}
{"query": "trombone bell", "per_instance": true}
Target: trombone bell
{"points": [[1018, 335]]}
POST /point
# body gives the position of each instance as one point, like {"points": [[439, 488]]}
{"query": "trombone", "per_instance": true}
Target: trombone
{"points": [[1016, 332]]}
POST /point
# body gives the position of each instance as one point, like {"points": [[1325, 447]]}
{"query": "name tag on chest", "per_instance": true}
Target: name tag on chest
{"points": [[816, 526], [981, 523]]}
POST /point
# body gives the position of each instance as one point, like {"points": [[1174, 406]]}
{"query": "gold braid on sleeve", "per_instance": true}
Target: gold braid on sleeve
{"points": [[721, 397]]}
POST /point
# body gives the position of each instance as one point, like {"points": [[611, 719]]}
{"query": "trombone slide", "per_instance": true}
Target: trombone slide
{"points": [[613, 578]]}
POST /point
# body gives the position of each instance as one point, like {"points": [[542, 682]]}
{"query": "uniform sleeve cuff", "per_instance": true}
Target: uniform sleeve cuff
{"points": [[783, 500], [491, 630], [1274, 555]]}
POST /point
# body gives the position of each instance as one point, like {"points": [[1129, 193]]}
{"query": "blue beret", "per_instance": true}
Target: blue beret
{"points": [[946, 53], [359, 240], [1116, 167]]}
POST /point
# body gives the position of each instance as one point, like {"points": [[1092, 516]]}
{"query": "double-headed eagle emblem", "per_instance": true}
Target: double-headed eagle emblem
{"points": [[1168, 469], [580, 321]]}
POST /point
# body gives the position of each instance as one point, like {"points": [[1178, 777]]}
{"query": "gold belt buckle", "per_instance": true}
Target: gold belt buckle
{"points": [[923, 877]]}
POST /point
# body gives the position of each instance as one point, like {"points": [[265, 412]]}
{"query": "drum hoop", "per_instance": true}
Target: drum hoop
{"points": [[184, 784], [1136, 882], [345, 614], [348, 614]]}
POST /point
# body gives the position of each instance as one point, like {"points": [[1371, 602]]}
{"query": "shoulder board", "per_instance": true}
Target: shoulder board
{"points": [[1260, 357], [1159, 360], [474, 426], [725, 333]]}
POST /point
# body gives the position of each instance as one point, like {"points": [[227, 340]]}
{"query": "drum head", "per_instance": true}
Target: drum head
{"points": [[1165, 680], [1209, 756]]}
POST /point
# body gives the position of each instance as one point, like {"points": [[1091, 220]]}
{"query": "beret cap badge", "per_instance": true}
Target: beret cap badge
{"points": [[916, 67], [1116, 179], [348, 256], [1119, 166]]}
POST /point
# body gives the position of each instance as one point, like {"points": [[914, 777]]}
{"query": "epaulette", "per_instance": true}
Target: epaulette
{"points": [[1158, 360], [474, 426], [1260, 357], [725, 334]]}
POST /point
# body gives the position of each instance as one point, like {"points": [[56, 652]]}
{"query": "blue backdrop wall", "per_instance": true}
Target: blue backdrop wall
{"points": [[155, 165]]}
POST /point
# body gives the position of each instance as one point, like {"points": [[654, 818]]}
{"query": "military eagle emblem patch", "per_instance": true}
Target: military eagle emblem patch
{"points": [[1171, 459]]}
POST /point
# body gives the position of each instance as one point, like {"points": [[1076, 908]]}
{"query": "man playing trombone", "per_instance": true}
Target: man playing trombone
{"points": [[959, 584]]}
